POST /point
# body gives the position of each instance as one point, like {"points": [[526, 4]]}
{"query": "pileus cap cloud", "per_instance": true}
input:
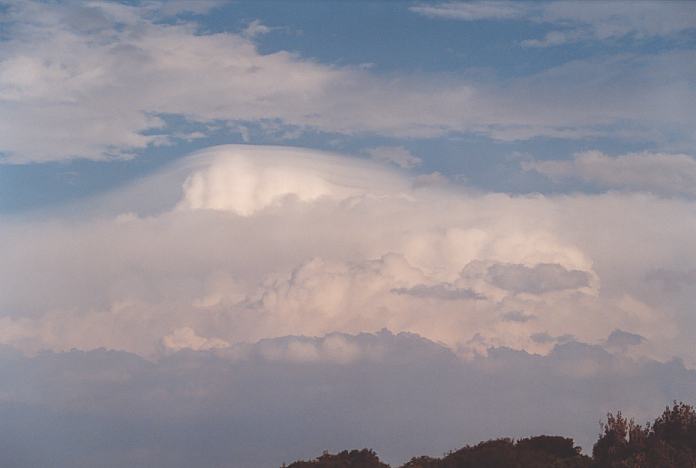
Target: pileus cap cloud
{"points": [[245, 179]]}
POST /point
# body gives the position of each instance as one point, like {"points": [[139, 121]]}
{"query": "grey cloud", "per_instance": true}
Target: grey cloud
{"points": [[622, 339], [242, 406], [673, 280], [545, 338], [542, 337], [444, 291], [539, 279], [517, 316]]}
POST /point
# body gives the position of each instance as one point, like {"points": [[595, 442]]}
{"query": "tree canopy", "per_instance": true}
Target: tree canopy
{"points": [[667, 442]]}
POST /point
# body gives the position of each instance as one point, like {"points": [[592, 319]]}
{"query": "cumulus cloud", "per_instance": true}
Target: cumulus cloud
{"points": [[244, 180], [242, 404], [271, 257], [103, 80], [666, 174]]}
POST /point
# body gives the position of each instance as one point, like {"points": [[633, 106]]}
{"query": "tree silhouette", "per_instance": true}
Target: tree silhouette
{"points": [[668, 442], [364, 458]]}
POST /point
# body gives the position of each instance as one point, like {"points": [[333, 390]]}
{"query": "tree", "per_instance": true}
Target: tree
{"points": [[669, 442], [364, 458]]}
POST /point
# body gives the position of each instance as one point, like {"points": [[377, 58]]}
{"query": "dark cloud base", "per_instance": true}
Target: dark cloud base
{"points": [[247, 407]]}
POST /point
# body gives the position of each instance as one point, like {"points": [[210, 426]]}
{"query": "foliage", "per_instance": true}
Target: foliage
{"points": [[668, 442], [364, 458]]}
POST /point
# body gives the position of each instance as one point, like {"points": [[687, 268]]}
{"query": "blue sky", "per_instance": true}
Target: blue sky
{"points": [[295, 192], [397, 41]]}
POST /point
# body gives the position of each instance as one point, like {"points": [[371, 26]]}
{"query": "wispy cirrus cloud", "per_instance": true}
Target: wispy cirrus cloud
{"points": [[576, 22], [661, 173], [473, 11]]}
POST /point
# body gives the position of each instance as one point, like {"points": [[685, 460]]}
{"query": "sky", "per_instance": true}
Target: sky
{"points": [[399, 225]]}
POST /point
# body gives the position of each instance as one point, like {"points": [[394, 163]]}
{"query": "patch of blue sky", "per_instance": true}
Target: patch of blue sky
{"points": [[472, 160], [391, 38]]}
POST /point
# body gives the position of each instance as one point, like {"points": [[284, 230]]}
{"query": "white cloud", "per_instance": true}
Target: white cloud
{"points": [[473, 11], [600, 20], [125, 275], [186, 338], [99, 81], [256, 28], [665, 174], [609, 20], [246, 179]]}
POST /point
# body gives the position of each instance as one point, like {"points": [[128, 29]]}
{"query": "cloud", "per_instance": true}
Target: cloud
{"points": [[542, 337], [614, 20], [272, 257], [186, 338], [103, 81], [555, 38], [472, 11], [660, 173], [439, 291], [673, 280], [539, 279], [595, 21], [247, 179], [430, 180], [242, 404], [256, 28], [545, 338], [176, 7], [333, 348], [517, 316], [622, 339], [395, 155]]}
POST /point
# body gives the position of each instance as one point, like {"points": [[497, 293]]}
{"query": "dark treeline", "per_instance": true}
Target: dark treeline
{"points": [[667, 442]]}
